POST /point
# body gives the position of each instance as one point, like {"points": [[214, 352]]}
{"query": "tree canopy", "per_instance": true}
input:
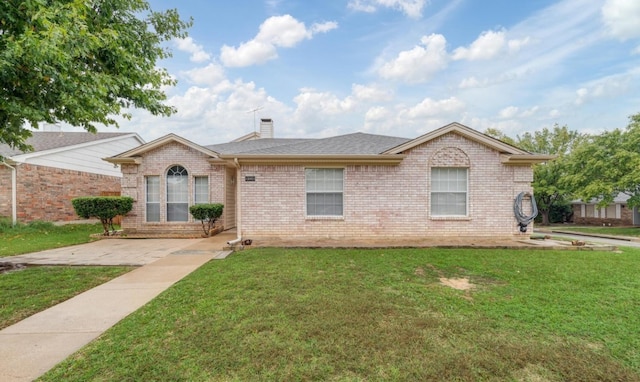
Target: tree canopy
{"points": [[608, 164], [81, 62], [549, 178]]}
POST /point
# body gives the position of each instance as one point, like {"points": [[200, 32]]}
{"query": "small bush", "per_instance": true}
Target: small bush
{"points": [[208, 214], [5, 224], [104, 208]]}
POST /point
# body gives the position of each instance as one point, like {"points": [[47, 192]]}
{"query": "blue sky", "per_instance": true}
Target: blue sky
{"points": [[399, 67]]}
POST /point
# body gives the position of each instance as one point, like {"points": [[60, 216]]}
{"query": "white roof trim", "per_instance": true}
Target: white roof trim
{"points": [[161, 142], [35, 154]]}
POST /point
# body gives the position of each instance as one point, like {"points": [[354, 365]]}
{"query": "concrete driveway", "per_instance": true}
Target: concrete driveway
{"points": [[115, 252]]}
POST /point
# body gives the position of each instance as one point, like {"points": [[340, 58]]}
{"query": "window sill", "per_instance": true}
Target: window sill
{"points": [[457, 218], [321, 217]]}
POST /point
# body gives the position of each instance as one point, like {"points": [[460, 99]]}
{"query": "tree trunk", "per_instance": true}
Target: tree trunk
{"points": [[545, 217]]}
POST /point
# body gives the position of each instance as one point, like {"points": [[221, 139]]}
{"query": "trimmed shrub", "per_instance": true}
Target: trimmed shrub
{"points": [[104, 208], [208, 214]]}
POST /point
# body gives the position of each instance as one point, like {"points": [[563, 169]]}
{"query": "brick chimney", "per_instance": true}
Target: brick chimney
{"points": [[266, 128]]}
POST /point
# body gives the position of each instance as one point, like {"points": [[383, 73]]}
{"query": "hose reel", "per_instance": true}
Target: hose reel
{"points": [[524, 220]]}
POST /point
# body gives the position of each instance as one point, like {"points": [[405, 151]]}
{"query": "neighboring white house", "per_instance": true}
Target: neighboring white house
{"points": [[40, 184]]}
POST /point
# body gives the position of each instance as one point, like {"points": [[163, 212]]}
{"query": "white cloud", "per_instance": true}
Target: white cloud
{"points": [[188, 45], [420, 63], [323, 27], [508, 112], [371, 93], [310, 101], [622, 18], [489, 45], [250, 53], [411, 8], [277, 31], [610, 86], [432, 108], [211, 75]]}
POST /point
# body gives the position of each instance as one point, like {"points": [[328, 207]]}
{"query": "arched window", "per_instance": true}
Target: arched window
{"points": [[177, 194]]}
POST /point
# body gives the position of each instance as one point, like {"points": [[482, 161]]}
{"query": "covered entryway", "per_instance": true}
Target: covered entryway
{"points": [[230, 198]]}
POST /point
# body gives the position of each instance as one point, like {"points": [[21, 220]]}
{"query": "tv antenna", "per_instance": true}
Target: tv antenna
{"points": [[254, 115]]}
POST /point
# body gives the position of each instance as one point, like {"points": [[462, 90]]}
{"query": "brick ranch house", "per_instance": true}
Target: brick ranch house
{"points": [[40, 184], [617, 213], [453, 182]]}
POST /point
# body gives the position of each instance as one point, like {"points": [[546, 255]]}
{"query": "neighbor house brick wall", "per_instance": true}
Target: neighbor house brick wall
{"points": [[5, 191], [626, 216], [156, 162], [45, 193], [388, 201]]}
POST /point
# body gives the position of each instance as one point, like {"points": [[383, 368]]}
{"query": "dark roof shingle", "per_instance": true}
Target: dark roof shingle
{"points": [[349, 144]]}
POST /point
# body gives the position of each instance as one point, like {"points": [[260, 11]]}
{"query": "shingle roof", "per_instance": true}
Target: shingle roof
{"points": [[48, 140], [349, 144]]}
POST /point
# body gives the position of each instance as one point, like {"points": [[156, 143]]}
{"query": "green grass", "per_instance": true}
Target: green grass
{"points": [[39, 236], [615, 231], [382, 315], [34, 289]]}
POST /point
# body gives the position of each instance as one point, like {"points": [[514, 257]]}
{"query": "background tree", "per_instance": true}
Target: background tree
{"points": [[608, 164], [81, 62], [551, 189]]}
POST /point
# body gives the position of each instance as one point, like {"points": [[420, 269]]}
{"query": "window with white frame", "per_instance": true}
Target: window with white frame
{"points": [[449, 188], [324, 188], [152, 187], [200, 189], [177, 194]]}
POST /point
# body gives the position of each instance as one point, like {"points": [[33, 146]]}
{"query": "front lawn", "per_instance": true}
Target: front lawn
{"points": [[382, 315], [39, 236], [614, 231], [34, 289]]}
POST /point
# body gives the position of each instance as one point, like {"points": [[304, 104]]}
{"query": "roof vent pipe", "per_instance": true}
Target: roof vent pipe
{"points": [[266, 128]]}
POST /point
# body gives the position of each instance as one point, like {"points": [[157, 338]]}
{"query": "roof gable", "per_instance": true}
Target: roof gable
{"points": [[45, 142], [462, 130], [131, 155]]}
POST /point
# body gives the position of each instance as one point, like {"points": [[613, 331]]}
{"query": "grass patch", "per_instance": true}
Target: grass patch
{"points": [[613, 231], [381, 314], [39, 236], [34, 289]]}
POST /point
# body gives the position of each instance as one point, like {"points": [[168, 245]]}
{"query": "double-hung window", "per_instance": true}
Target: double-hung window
{"points": [[152, 190], [201, 189], [449, 188], [324, 188]]}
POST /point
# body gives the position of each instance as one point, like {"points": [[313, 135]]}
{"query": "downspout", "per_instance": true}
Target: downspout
{"points": [[14, 194], [238, 238]]}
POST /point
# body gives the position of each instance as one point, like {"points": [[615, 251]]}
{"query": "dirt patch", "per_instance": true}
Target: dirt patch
{"points": [[457, 283]]}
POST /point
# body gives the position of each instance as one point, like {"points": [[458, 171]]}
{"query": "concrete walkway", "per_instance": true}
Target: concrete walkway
{"points": [[31, 347]]}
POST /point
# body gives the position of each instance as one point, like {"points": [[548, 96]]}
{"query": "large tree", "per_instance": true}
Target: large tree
{"points": [[82, 62], [549, 178], [609, 164]]}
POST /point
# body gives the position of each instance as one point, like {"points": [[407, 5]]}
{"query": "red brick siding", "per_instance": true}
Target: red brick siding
{"points": [[45, 193], [5, 191]]}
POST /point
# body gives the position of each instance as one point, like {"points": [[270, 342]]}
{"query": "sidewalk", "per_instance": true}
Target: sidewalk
{"points": [[31, 347]]}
